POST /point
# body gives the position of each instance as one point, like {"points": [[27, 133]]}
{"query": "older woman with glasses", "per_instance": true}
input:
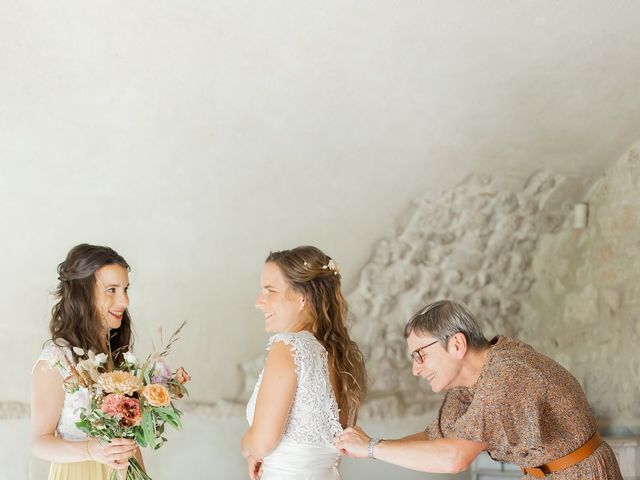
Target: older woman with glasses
{"points": [[502, 396]]}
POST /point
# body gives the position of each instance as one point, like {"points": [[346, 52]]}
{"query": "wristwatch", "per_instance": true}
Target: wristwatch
{"points": [[372, 443]]}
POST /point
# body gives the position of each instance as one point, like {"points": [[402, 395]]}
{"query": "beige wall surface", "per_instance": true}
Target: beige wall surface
{"points": [[195, 138]]}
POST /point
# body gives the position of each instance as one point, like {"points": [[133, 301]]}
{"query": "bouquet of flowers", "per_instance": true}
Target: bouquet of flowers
{"points": [[134, 400]]}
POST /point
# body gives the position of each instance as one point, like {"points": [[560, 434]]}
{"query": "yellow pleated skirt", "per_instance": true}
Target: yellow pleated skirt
{"points": [[79, 471]]}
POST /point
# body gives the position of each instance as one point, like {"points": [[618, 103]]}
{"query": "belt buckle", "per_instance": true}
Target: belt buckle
{"points": [[535, 471]]}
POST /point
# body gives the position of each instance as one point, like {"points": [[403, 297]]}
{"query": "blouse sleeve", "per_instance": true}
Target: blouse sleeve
{"points": [[455, 404], [506, 409], [56, 357], [288, 338], [433, 430]]}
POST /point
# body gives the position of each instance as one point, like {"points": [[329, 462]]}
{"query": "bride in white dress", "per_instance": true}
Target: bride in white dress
{"points": [[313, 379]]}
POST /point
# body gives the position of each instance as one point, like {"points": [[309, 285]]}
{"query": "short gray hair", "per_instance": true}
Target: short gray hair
{"points": [[445, 318]]}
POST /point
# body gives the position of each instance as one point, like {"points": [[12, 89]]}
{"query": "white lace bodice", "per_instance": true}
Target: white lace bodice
{"points": [[314, 416], [73, 402]]}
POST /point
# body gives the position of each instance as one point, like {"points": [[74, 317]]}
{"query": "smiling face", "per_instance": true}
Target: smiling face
{"points": [[282, 307], [440, 366], [110, 295]]}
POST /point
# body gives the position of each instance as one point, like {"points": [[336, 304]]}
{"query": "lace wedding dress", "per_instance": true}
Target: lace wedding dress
{"points": [[306, 450]]}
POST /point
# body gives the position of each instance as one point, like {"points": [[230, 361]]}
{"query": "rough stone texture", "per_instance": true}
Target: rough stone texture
{"points": [[584, 308], [513, 256], [474, 243]]}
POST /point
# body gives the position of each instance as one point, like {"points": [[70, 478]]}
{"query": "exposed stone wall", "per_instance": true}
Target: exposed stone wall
{"points": [[474, 243], [512, 255], [584, 308]]}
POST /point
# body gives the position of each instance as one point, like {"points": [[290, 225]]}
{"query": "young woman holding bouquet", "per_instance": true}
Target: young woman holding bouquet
{"points": [[90, 314], [313, 379]]}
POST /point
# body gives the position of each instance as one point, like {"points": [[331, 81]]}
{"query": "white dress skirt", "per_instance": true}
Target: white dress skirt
{"points": [[295, 461]]}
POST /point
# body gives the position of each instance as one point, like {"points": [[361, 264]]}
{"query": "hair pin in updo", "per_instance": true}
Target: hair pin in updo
{"points": [[333, 266]]}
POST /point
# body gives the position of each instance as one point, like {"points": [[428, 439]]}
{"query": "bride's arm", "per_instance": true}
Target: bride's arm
{"points": [[47, 398], [273, 403]]}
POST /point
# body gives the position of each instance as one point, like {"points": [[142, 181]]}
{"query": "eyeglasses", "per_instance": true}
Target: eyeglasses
{"points": [[416, 355]]}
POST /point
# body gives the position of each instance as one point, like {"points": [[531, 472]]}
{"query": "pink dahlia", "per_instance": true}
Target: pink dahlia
{"points": [[126, 409]]}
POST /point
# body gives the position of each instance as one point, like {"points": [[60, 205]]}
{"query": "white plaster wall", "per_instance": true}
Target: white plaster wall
{"points": [[195, 138]]}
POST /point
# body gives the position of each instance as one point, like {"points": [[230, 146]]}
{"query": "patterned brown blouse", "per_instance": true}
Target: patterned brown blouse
{"points": [[529, 410]]}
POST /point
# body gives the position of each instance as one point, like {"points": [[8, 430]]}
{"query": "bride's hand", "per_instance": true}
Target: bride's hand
{"points": [[254, 468]]}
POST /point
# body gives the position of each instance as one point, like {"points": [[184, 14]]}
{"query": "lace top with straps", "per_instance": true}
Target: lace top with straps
{"points": [[55, 355], [314, 415]]}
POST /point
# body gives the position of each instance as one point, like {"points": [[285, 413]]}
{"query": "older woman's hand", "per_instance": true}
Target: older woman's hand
{"points": [[353, 442]]}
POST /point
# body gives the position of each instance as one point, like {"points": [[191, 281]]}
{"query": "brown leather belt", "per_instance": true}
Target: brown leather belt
{"points": [[568, 460]]}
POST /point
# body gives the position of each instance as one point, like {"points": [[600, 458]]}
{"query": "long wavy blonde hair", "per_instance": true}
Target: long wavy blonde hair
{"points": [[306, 270]]}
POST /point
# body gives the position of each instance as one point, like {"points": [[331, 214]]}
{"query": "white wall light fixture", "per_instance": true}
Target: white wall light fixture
{"points": [[580, 215]]}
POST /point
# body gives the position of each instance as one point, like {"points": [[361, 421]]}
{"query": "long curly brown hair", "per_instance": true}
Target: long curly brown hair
{"points": [[306, 270], [74, 317]]}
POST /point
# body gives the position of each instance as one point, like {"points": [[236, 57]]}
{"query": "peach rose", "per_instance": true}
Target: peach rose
{"points": [[182, 376], [157, 395]]}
